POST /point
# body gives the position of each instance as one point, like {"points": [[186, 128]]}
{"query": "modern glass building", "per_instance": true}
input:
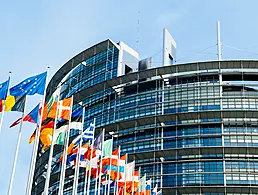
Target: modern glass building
{"points": [[192, 128]]}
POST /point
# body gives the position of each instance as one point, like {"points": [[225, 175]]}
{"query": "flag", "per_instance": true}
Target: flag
{"points": [[31, 117], [95, 157], [61, 109], [86, 135], [142, 183], [4, 89], [72, 158], [129, 171], [98, 142], [111, 165], [15, 103], [30, 86], [136, 176], [49, 122], [63, 125], [46, 133], [49, 105], [114, 159], [154, 191], [121, 164], [107, 148], [45, 137], [32, 137], [148, 187], [1, 105]]}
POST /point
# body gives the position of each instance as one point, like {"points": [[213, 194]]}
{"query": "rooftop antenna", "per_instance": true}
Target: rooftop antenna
{"points": [[218, 41], [138, 33]]}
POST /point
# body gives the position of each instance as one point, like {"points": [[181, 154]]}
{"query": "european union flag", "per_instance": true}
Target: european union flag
{"points": [[4, 89], [30, 86]]}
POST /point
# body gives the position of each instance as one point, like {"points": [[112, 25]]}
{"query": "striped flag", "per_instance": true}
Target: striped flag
{"points": [[86, 135], [31, 117], [63, 125], [72, 158]]}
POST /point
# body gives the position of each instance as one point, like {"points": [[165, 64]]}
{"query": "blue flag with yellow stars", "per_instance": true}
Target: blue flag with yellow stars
{"points": [[30, 86], [4, 89]]}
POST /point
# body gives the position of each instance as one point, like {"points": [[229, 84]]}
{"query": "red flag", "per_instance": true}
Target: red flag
{"points": [[16, 122], [1, 105]]}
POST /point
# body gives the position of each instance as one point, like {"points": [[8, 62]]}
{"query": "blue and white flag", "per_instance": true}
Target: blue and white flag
{"points": [[154, 191], [88, 134]]}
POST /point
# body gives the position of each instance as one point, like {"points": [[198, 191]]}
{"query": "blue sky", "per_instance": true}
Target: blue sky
{"points": [[37, 34]]}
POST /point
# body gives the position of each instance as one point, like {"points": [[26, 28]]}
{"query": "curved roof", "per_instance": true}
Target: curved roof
{"points": [[75, 61], [166, 70], [159, 71]]}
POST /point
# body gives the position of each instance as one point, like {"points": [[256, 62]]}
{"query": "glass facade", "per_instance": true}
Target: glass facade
{"points": [[192, 132]]}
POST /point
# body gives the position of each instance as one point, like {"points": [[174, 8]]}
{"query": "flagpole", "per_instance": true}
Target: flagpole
{"points": [[125, 173], [96, 182], [133, 181], [78, 157], [145, 184], [66, 143], [86, 173], [105, 186], [36, 142], [17, 151], [89, 176], [101, 158], [139, 179], [91, 153], [33, 156], [3, 109], [110, 164], [51, 150], [117, 177]]}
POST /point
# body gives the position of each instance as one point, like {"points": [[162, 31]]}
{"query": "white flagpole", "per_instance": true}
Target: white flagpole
{"points": [[91, 153], [36, 142], [51, 150], [117, 177], [17, 151], [78, 158], [101, 157], [133, 181], [3, 108], [33, 158], [105, 191], [125, 173], [96, 182], [2, 116], [145, 184], [66, 144], [86, 175], [110, 164], [139, 178]]}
